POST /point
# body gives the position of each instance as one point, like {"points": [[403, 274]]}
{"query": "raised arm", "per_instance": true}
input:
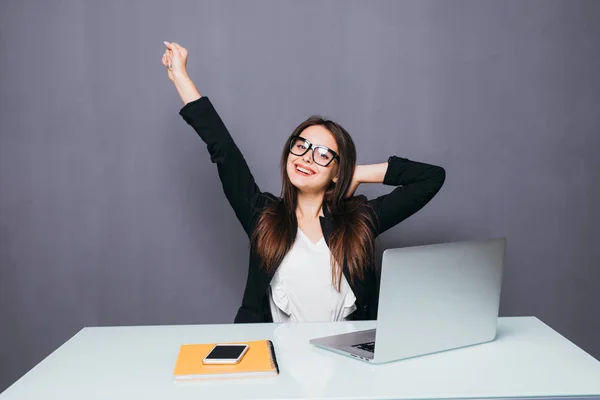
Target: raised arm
{"points": [[238, 182], [417, 183]]}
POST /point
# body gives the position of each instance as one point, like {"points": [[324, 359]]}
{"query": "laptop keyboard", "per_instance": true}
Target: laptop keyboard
{"points": [[366, 346]]}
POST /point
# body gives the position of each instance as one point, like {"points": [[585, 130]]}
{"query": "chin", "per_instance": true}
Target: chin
{"points": [[307, 188], [298, 183]]}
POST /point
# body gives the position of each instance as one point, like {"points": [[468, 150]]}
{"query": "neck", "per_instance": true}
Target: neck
{"points": [[309, 205]]}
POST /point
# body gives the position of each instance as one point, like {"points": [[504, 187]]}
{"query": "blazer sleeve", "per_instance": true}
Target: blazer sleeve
{"points": [[417, 183], [237, 180]]}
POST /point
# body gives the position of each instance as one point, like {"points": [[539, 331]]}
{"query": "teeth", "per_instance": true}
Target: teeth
{"points": [[303, 170]]}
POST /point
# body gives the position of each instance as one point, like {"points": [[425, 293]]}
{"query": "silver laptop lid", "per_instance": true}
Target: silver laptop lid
{"points": [[438, 297]]}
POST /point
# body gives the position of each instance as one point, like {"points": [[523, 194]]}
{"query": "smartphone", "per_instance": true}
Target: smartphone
{"points": [[226, 353]]}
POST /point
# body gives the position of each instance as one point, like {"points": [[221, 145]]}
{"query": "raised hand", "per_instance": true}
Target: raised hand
{"points": [[175, 59]]}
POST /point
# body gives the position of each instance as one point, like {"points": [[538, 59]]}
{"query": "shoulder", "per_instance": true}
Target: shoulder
{"points": [[355, 208], [360, 208], [359, 203], [266, 199], [270, 198]]}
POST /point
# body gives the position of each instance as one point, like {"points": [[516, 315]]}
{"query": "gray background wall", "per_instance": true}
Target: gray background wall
{"points": [[111, 212]]}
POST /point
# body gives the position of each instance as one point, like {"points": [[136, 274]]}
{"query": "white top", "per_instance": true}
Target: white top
{"points": [[302, 291], [527, 359]]}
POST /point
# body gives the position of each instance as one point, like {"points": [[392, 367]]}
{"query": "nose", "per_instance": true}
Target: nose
{"points": [[307, 156]]}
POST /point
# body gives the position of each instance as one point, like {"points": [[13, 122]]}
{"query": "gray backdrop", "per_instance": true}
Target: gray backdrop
{"points": [[111, 212]]}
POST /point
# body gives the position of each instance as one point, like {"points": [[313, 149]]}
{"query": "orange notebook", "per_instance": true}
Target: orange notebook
{"points": [[259, 361]]}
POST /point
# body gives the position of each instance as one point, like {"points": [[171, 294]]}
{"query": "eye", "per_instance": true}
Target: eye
{"points": [[324, 154]]}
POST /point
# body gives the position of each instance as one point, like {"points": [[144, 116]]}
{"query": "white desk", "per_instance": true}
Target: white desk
{"points": [[528, 359]]}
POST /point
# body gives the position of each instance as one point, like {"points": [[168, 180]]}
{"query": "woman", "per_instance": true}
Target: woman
{"points": [[312, 249]]}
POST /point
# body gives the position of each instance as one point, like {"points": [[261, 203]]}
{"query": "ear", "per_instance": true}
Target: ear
{"points": [[335, 179]]}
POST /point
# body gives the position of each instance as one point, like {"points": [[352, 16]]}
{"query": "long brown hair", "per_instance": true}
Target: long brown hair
{"points": [[352, 239]]}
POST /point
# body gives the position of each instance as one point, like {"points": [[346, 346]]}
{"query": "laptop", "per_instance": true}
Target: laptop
{"points": [[432, 298]]}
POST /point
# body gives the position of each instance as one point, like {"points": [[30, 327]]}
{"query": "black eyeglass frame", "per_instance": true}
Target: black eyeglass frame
{"points": [[313, 147]]}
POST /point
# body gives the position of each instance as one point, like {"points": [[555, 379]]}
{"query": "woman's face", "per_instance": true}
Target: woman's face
{"points": [[304, 173]]}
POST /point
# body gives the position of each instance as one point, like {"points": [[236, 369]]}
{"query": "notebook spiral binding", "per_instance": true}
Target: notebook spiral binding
{"points": [[273, 357]]}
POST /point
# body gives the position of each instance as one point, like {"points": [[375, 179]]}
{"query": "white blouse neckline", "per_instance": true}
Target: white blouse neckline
{"points": [[301, 289]]}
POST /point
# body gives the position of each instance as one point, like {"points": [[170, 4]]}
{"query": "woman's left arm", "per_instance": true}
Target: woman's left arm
{"points": [[417, 184]]}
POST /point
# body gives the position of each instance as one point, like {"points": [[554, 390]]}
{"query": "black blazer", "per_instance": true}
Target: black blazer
{"points": [[417, 184]]}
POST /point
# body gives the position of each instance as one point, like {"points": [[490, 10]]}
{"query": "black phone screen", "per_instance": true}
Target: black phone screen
{"points": [[226, 352]]}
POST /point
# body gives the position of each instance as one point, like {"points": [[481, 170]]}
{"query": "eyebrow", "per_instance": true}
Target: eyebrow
{"points": [[315, 144]]}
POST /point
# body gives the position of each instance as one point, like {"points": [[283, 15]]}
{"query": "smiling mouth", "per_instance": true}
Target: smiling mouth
{"points": [[304, 171]]}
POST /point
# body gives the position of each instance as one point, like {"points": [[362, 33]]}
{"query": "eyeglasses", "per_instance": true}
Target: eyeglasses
{"points": [[323, 155]]}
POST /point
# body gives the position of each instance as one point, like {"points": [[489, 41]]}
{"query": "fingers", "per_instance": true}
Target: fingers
{"points": [[176, 49], [166, 59], [181, 50], [175, 46], [175, 56]]}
